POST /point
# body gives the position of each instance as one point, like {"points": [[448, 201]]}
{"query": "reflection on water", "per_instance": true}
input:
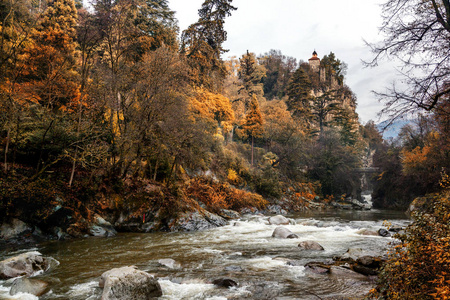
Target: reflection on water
{"points": [[245, 252]]}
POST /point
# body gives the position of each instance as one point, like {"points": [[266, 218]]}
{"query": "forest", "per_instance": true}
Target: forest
{"points": [[111, 108]]}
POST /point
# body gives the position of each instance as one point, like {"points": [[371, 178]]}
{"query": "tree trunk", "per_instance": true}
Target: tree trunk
{"points": [[252, 150], [6, 150], [42, 147]]}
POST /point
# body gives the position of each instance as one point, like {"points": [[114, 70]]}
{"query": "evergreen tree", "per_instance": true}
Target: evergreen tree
{"points": [[250, 74], [202, 44], [298, 91], [279, 69]]}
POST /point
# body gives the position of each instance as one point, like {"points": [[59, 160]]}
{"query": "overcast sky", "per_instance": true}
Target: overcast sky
{"points": [[298, 27]]}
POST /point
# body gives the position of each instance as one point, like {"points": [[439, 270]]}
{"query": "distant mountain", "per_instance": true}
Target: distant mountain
{"points": [[392, 131]]}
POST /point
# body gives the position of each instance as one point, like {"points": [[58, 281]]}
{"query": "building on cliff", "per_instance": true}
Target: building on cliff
{"points": [[332, 103]]}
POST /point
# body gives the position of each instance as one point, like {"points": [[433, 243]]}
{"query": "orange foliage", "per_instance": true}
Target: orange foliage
{"points": [[415, 158], [212, 107], [217, 196], [419, 267]]}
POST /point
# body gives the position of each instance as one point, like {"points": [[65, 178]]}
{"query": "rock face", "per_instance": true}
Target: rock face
{"points": [[278, 220], [310, 245], [23, 265], [283, 233], [196, 221], [102, 228], [30, 286], [129, 283]]}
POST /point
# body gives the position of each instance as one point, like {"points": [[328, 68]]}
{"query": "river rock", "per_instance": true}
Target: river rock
{"points": [[372, 262], [318, 267], [278, 220], [101, 228], [383, 232], [129, 283], [345, 273], [283, 233], [353, 254], [225, 282], [364, 270], [170, 263], [31, 286], [310, 245], [13, 229], [276, 209], [229, 214], [196, 221], [24, 264], [395, 229]]}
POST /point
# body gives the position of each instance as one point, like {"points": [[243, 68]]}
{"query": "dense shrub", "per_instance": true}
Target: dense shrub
{"points": [[419, 266], [217, 196]]}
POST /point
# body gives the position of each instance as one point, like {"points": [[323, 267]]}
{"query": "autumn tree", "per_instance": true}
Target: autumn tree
{"points": [[17, 20], [202, 44], [417, 34], [252, 126], [284, 137]]}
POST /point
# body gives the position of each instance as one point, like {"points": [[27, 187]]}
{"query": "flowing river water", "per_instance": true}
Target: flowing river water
{"points": [[244, 251]]}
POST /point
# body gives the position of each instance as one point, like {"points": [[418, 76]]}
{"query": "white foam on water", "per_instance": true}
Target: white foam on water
{"points": [[176, 291], [296, 271], [4, 294], [86, 289], [209, 250], [265, 263]]}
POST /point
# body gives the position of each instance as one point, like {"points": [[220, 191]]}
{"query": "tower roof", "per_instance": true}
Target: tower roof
{"points": [[314, 56]]}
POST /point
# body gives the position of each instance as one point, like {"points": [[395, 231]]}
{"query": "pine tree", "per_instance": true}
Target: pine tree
{"points": [[202, 44], [250, 73], [298, 92]]}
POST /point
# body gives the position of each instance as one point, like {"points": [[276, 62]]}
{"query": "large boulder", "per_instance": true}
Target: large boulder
{"points": [[25, 264], [196, 221], [31, 286], [13, 229], [278, 220], [283, 233], [129, 283], [310, 245], [102, 228]]}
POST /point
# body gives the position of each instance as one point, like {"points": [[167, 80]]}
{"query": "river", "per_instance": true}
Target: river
{"points": [[246, 253]]}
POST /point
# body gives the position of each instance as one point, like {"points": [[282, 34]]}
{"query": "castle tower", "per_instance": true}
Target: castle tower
{"points": [[314, 62]]}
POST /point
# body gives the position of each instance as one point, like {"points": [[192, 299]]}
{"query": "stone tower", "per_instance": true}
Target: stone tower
{"points": [[314, 62]]}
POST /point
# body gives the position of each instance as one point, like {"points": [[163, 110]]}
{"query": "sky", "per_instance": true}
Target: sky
{"points": [[298, 27]]}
